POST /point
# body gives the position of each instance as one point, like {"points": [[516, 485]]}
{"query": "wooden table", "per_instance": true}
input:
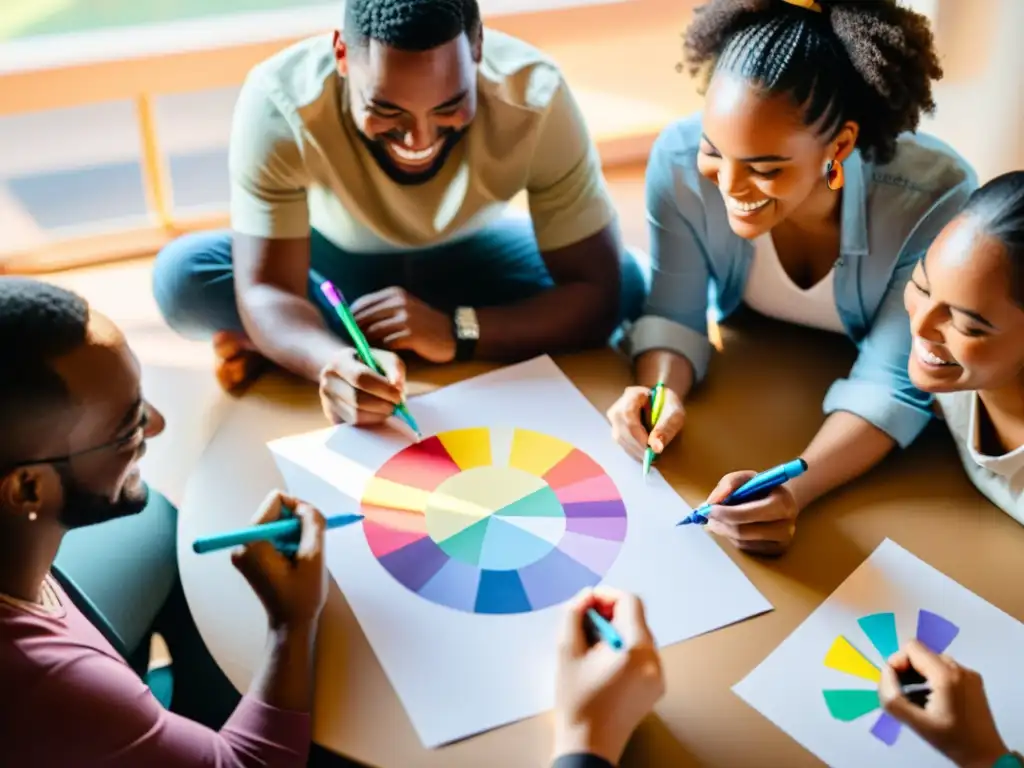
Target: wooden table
{"points": [[761, 405]]}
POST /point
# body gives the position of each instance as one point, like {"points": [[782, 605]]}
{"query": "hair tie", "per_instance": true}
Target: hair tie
{"points": [[810, 5]]}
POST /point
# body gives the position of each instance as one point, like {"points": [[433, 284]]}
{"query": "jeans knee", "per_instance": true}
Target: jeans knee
{"points": [[185, 274], [635, 277]]}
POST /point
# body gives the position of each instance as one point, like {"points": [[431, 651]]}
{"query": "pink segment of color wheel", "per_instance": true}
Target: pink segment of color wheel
{"points": [[599, 488]]}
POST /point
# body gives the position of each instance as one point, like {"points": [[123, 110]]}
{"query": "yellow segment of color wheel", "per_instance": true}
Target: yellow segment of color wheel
{"points": [[384, 493], [536, 453], [468, 448]]}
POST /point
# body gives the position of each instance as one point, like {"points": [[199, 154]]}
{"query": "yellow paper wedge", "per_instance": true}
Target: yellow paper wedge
{"points": [[843, 657]]}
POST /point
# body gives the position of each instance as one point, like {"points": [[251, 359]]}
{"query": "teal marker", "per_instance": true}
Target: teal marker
{"points": [[605, 629], [363, 346], [284, 533], [657, 403]]}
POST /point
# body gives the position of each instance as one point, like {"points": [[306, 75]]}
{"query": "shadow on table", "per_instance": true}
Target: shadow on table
{"points": [[654, 745], [322, 758]]}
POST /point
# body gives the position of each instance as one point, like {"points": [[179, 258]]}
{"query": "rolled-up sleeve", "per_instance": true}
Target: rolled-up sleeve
{"points": [[878, 388], [675, 317]]}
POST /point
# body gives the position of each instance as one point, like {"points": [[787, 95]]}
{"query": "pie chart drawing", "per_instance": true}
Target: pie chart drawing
{"points": [[494, 520]]}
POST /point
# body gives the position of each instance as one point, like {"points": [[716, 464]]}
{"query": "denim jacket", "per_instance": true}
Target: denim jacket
{"points": [[890, 215]]}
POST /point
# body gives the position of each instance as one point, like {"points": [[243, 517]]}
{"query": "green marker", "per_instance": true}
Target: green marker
{"points": [[363, 346], [657, 403]]}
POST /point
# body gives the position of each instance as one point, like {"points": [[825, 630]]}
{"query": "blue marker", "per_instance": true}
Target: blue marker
{"points": [[605, 629], [756, 487], [283, 533]]}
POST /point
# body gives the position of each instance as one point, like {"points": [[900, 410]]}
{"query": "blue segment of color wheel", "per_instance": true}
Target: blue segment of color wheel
{"points": [[494, 521]]}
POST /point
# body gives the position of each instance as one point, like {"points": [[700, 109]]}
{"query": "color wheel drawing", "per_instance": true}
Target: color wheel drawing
{"points": [[494, 520], [933, 631]]}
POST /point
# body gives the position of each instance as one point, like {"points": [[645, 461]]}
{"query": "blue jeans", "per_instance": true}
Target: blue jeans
{"points": [[193, 279]]}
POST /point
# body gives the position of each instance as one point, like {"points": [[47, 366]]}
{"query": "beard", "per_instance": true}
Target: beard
{"points": [[387, 164], [84, 508]]}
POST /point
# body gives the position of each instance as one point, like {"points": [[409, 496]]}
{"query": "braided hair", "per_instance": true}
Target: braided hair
{"points": [[410, 25], [867, 61]]}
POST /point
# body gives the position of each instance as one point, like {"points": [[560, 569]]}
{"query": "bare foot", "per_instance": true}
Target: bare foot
{"points": [[238, 362]]}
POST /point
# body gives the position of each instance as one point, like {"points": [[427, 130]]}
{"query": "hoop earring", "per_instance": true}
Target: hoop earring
{"points": [[834, 177]]}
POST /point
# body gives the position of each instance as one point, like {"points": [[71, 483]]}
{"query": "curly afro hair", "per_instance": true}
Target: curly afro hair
{"points": [[410, 25], [869, 61]]}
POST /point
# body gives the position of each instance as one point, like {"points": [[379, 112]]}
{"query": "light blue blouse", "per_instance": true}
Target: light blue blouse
{"points": [[890, 215]]}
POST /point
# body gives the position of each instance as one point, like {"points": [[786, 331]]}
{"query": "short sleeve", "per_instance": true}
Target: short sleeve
{"points": [[268, 188], [568, 197]]}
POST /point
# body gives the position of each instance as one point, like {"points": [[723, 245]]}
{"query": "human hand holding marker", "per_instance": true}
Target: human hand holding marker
{"points": [[364, 386], [632, 412], [755, 511], [603, 692], [353, 393], [293, 589], [956, 718]]}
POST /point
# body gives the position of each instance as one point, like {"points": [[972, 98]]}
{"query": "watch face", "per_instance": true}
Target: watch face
{"points": [[465, 320]]}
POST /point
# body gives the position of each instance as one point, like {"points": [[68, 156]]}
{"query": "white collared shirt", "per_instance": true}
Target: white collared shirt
{"points": [[999, 478]]}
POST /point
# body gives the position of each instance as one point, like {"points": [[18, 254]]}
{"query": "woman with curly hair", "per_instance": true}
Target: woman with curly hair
{"points": [[803, 192]]}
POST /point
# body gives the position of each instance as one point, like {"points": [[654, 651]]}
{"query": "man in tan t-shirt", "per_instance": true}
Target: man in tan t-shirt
{"points": [[381, 158]]}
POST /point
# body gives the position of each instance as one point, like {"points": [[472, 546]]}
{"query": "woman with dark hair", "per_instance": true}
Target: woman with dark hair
{"points": [[966, 305], [803, 192]]}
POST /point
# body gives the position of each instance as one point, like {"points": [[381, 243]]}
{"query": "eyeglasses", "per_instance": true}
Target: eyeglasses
{"points": [[117, 444]]}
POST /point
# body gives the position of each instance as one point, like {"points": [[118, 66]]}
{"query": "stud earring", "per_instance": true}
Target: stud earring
{"points": [[32, 517], [834, 175]]}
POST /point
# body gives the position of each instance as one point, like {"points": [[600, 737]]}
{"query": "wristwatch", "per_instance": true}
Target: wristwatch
{"points": [[467, 332]]}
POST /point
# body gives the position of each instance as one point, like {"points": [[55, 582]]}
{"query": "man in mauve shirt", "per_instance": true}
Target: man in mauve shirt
{"points": [[75, 424]]}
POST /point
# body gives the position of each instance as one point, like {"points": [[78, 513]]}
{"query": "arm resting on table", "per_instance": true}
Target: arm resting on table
{"points": [[872, 410], [845, 448]]}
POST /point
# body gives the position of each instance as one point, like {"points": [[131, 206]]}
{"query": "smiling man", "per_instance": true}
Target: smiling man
{"points": [[382, 158]]}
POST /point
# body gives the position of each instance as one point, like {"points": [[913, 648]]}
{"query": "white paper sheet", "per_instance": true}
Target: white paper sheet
{"points": [[459, 673], [788, 686]]}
